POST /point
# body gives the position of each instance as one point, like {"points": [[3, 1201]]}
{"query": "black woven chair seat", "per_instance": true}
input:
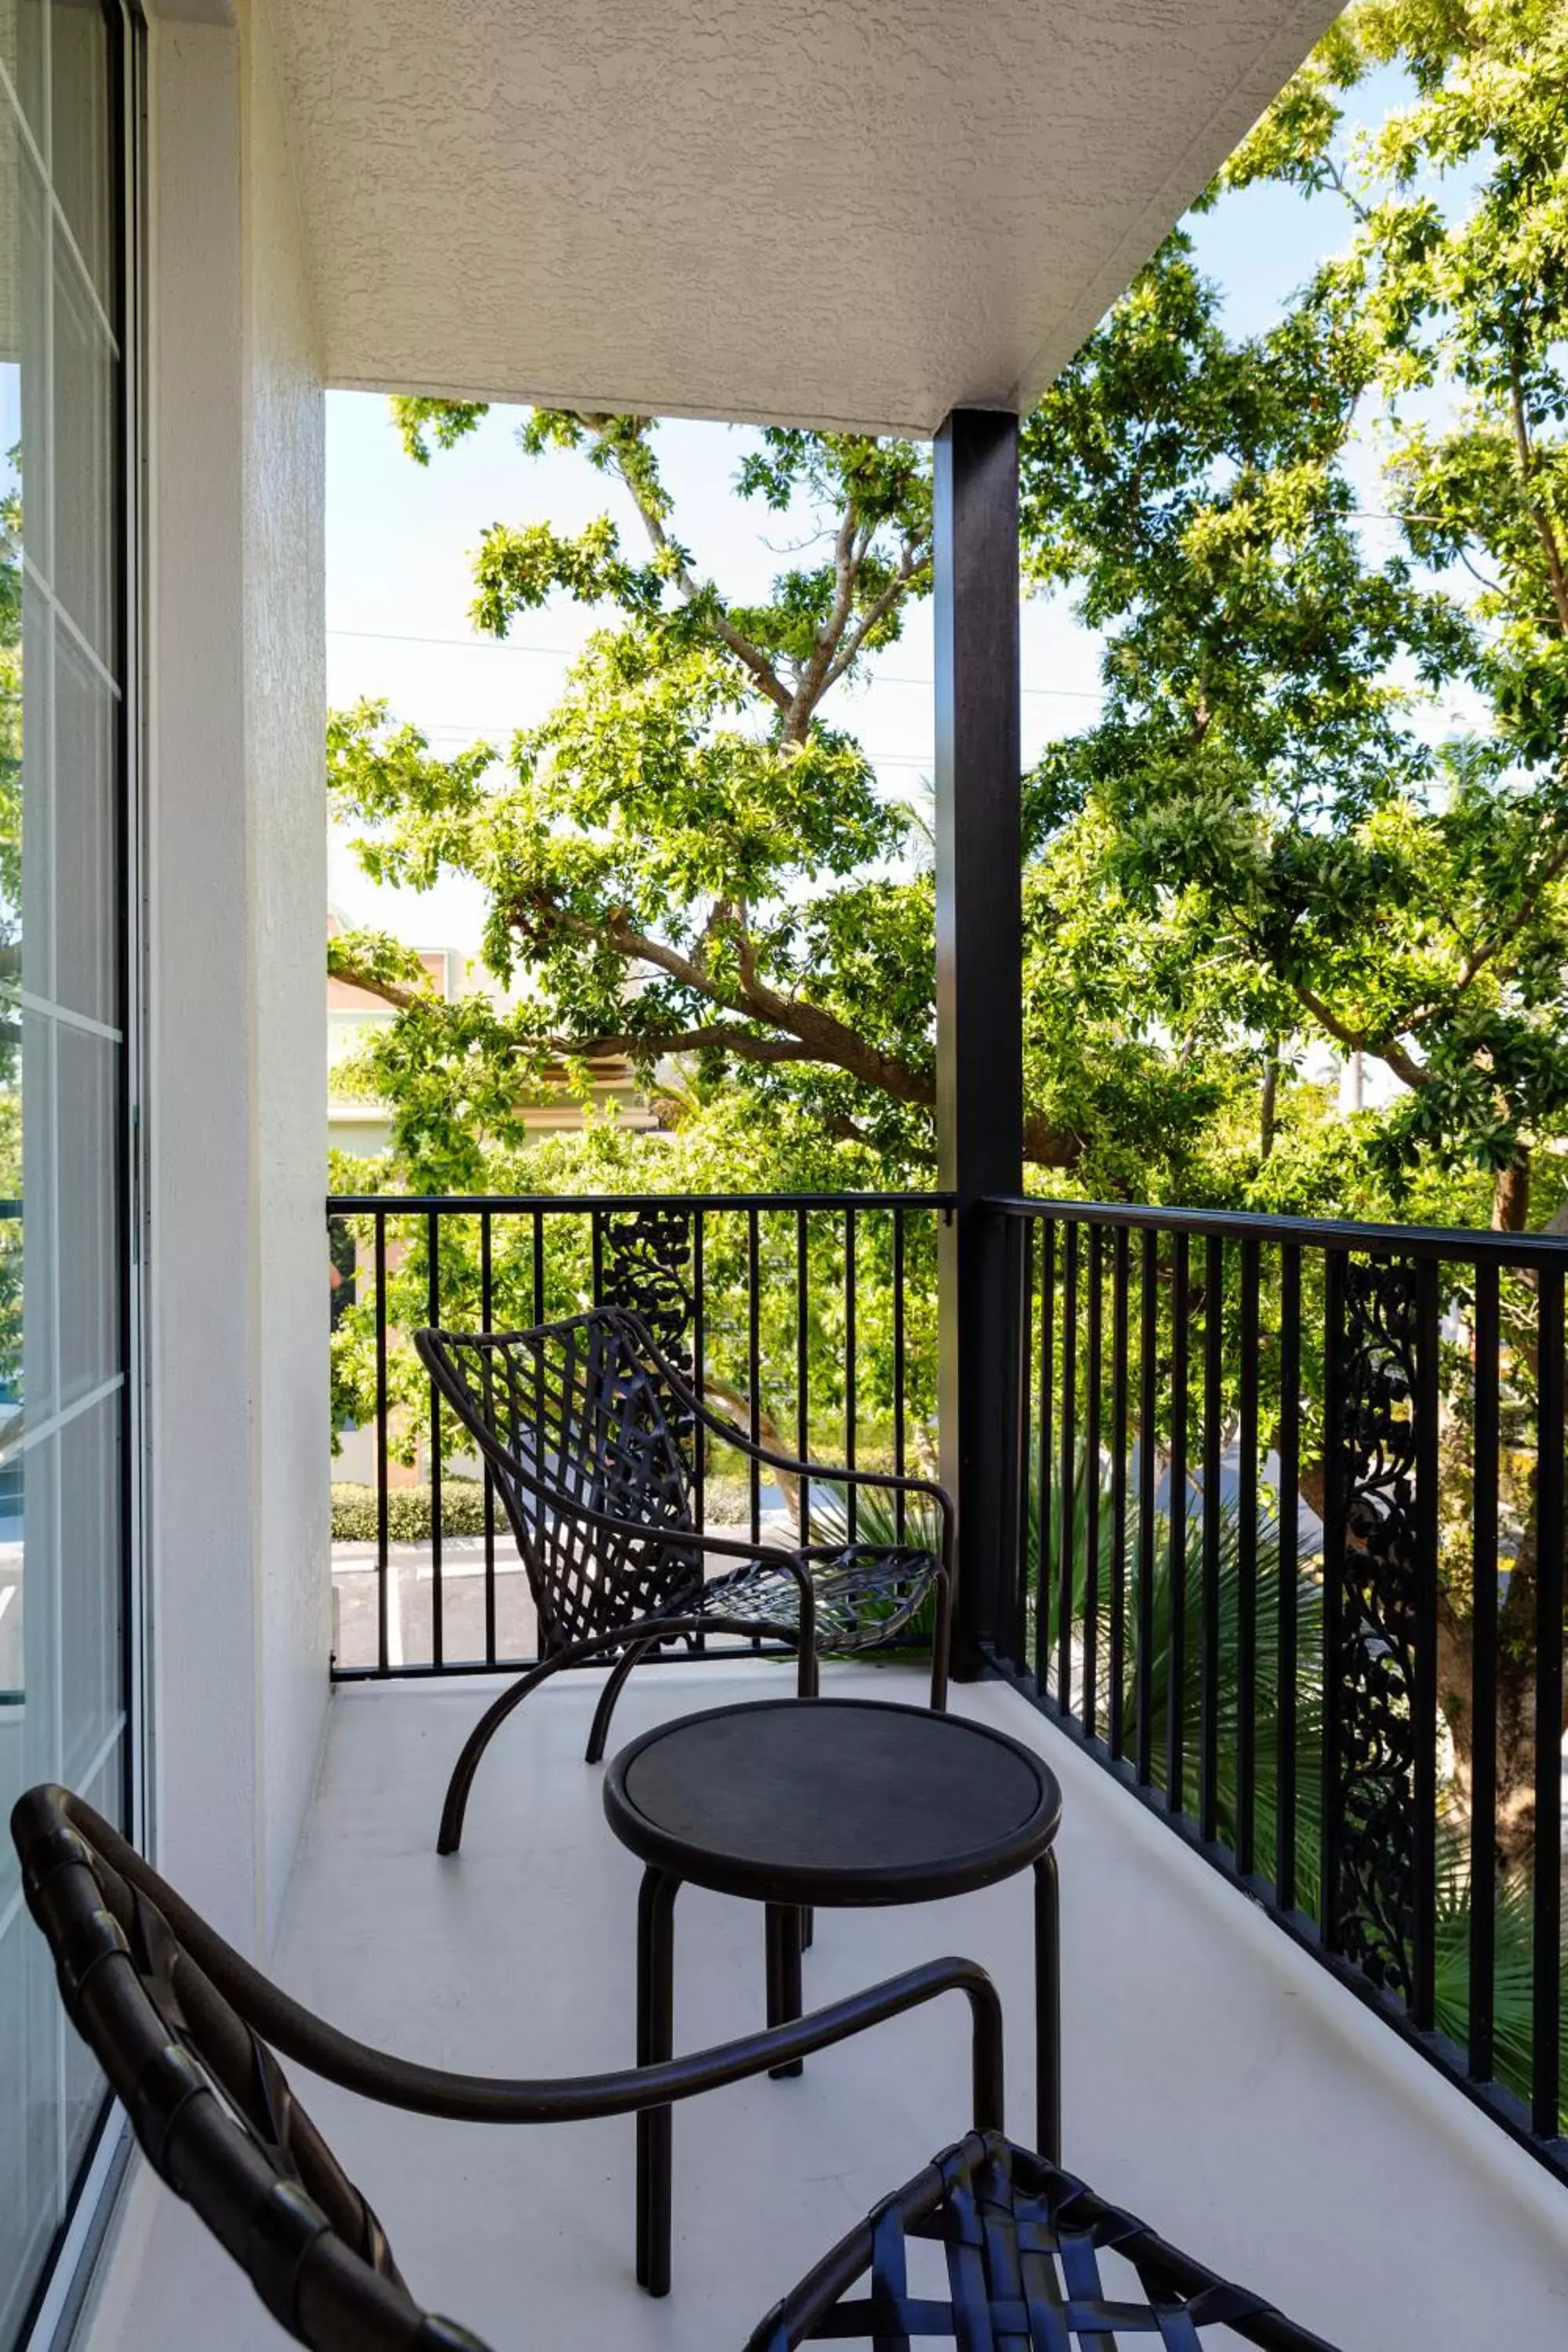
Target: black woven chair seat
{"points": [[1025, 2244], [866, 1593]]}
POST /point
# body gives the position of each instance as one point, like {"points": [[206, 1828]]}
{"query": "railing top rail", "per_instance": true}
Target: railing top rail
{"points": [[1455, 1242], [473, 1204]]}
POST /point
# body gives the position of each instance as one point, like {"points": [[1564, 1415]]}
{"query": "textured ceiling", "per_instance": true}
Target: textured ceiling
{"points": [[850, 212]]}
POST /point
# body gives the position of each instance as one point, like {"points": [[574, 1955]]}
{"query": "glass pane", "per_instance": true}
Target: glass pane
{"points": [[90, 1668], [29, 2162], [27, 1053], [62, 784], [24, 30], [84, 2084], [23, 346], [85, 518], [87, 1189], [83, 155], [86, 834]]}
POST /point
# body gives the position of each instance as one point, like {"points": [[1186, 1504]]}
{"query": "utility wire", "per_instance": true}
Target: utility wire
{"points": [[566, 652]]}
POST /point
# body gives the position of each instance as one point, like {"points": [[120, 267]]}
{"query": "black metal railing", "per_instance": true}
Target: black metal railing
{"points": [[1285, 1553], [808, 1318]]}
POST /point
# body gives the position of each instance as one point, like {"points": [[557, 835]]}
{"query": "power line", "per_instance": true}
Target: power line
{"points": [[566, 652]]}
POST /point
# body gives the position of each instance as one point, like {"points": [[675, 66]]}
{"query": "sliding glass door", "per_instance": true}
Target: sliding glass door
{"points": [[66, 740]]}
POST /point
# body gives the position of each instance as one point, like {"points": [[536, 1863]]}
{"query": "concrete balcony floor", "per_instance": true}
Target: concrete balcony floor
{"points": [[1216, 2080]]}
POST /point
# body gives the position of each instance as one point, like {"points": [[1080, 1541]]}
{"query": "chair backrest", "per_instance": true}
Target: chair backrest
{"points": [[1025, 2245], [205, 2096], [576, 1418]]}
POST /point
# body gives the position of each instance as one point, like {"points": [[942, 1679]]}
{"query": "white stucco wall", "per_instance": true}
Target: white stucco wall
{"points": [[237, 1489], [286, 689]]}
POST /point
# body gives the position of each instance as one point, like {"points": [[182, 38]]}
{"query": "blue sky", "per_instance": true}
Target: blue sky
{"points": [[400, 541]]}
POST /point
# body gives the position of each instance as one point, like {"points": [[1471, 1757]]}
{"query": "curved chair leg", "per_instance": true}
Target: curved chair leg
{"points": [[456, 1802], [808, 1685], [942, 1642], [577, 1654], [620, 1676]]}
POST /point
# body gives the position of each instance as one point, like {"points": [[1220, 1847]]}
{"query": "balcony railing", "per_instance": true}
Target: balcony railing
{"points": [[1286, 1554], [1284, 1534], [810, 1319]]}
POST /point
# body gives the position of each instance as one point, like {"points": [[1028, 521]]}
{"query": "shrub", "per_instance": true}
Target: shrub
{"points": [[408, 1511]]}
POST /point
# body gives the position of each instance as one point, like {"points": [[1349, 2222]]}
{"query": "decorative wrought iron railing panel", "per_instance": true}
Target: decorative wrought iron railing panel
{"points": [[1285, 1553]]}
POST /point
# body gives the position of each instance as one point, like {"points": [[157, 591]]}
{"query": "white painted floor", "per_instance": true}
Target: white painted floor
{"points": [[1215, 2079]]}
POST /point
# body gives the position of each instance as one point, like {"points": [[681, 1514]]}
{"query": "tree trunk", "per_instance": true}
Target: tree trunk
{"points": [[1268, 1102], [1511, 1194]]}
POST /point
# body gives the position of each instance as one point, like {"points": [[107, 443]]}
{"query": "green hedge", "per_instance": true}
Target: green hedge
{"points": [[408, 1511]]}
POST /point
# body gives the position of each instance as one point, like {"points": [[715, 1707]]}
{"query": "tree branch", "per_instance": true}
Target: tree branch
{"points": [[752, 657], [1480, 957], [391, 992], [1556, 572], [913, 555], [632, 1044], [1359, 1041]]}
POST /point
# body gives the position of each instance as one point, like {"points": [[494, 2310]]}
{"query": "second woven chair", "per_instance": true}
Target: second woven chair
{"points": [[590, 1435]]}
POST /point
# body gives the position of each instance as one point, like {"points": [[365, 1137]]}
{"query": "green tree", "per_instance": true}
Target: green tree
{"points": [[1341, 872], [1401, 899], [686, 859]]}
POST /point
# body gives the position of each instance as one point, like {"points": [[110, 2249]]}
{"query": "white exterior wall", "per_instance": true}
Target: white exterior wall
{"points": [[239, 1586], [285, 692]]}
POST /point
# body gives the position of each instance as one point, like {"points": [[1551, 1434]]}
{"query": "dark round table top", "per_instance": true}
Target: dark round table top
{"points": [[831, 1802]]}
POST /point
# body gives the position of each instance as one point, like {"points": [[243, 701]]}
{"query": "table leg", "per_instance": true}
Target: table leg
{"points": [[782, 1931], [1048, 2010], [656, 2037]]}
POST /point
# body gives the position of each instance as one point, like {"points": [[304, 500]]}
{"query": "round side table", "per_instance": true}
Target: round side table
{"points": [[833, 1803]]}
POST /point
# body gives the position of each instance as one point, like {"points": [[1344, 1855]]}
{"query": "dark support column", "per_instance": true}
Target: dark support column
{"points": [[979, 982]]}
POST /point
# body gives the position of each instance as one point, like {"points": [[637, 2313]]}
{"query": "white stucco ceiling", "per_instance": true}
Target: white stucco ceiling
{"points": [[852, 212]]}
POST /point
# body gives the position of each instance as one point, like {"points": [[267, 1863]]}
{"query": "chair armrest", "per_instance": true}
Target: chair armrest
{"points": [[311, 2042], [818, 1472]]}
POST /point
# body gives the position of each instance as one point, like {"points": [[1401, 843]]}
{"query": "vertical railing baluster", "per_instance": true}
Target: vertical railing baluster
{"points": [[437, 1594], [1211, 1663], [1424, 1405], [1177, 1611], [383, 1556], [1289, 1452], [851, 1391], [541, 1451], [699, 1379], [1087, 1706], [1020, 1240], [1483, 1677], [754, 1366], [486, 1318], [1148, 1371], [803, 1366], [1247, 1565], [1043, 1492], [597, 1228], [1546, 1971], [1336, 1339], [900, 1454], [1067, 1444], [1117, 1727]]}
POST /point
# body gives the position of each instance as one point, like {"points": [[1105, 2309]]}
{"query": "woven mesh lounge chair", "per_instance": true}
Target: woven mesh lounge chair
{"points": [[186, 2032], [589, 1432]]}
